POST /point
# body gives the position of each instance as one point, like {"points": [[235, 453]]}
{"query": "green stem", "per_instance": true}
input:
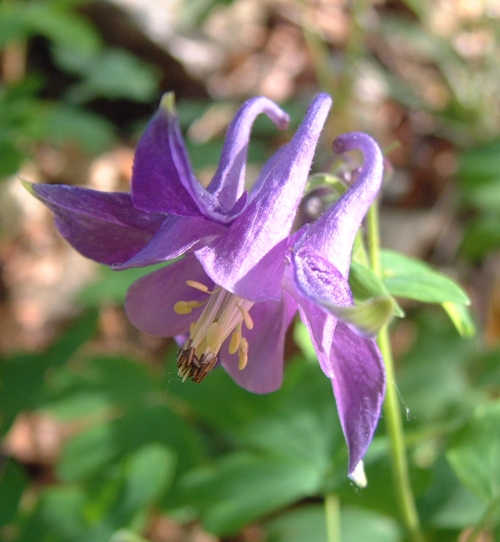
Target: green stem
{"points": [[332, 512], [392, 407]]}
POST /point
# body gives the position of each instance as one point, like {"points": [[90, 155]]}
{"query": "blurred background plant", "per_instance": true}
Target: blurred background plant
{"points": [[100, 439]]}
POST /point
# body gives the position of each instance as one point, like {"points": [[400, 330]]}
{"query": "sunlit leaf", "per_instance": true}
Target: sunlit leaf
{"points": [[413, 279], [368, 316], [461, 318]]}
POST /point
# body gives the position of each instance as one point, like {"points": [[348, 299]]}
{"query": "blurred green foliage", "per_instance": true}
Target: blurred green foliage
{"points": [[142, 444], [98, 71]]}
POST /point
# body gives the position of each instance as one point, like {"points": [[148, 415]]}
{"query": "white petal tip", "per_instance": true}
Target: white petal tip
{"points": [[358, 475]]}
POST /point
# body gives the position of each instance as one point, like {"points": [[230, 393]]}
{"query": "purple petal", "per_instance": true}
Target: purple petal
{"points": [[359, 385], [317, 279], [150, 300], [103, 226], [229, 180], [268, 218], [161, 175], [321, 327], [264, 370], [176, 235], [333, 233]]}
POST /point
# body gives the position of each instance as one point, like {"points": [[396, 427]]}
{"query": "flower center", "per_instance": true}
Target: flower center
{"points": [[223, 315]]}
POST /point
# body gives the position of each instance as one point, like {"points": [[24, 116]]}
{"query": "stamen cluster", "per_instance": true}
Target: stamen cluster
{"points": [[224, 314]]}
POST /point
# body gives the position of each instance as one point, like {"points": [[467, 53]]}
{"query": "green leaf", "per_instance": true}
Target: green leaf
{"points": [[461, 318], [89, 453], [125, 535], [112, 73], [149, 472], [459, 511], [100, 384], [60, 516], [410, 278], [23, 377], [298, 525], [10, 158], [13, 482], [63, 124], [482, 235], [480, 163], [365, 284], [307, 413], [112, 286], [59, 24], [243, 487], [358, 524], [435, 384], [474, 452], [368, 316], [303, 341], [307, 523]]}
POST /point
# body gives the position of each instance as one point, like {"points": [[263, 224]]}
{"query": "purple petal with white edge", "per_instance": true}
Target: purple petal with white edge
{"points": [[176, 236], [268, 218], [333, 233], [358, 385], [161, 174], [103, 226], [264, 370], [150, 300], [229, 179], [320, 325]]}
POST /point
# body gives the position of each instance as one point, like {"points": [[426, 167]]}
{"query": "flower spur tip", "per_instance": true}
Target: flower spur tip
{"points": [[167, 103]]}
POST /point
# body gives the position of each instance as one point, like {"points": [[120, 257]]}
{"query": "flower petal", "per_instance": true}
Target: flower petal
{"points": [[176, 235], [150, 300], [333, 233], [317, 279], [268, 218], [359, 385], [264, 370], [321, 282], [103, 226], [321, 327], [320, 324], [162, 175], [229, 179]]}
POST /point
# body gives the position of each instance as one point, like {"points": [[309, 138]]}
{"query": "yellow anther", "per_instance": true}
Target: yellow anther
{"points": [[243, 359], [185, 307], [234, 343], [197, 285], [182, 307], [243, 354], [222, 318], [246, 318]]}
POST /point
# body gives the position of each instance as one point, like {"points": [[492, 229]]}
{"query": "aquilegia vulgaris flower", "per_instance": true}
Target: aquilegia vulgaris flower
{"points": [[244, 273]]}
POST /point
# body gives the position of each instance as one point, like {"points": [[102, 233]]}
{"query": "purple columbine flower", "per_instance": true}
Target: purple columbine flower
{"points": [[243, 274]]}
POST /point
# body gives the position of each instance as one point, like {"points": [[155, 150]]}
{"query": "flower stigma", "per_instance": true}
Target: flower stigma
{"points": [[224, 315]]}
